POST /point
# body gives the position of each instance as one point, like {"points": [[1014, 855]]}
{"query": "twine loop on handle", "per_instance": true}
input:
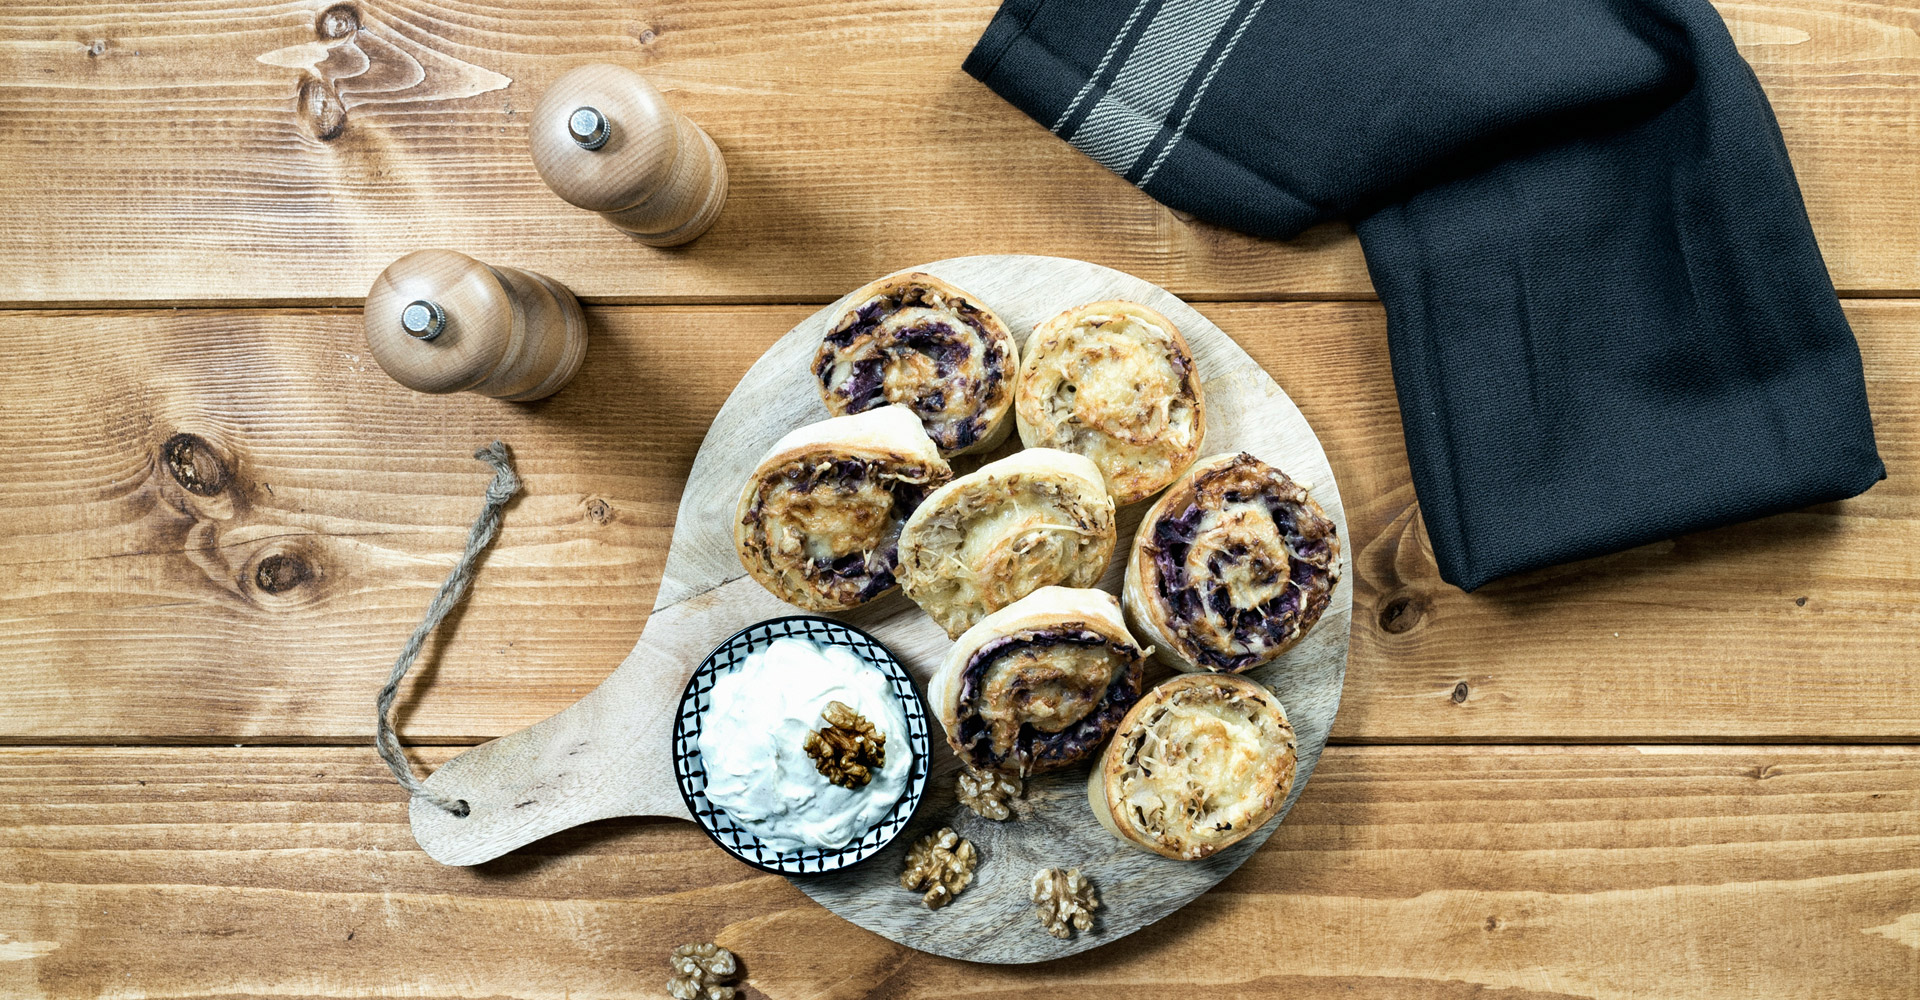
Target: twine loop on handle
{"points": [[502, 489]]}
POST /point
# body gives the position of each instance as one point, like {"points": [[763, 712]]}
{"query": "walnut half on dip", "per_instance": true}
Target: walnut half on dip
{"points": [[1200, 762]]}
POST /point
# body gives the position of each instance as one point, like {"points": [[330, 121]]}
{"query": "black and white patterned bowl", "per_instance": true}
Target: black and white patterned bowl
{"points": [[692, 775]]}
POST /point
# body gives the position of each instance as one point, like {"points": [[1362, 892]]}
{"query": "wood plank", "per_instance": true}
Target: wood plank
{"points": [[133, 609], [173, 153], [1545, 871]]}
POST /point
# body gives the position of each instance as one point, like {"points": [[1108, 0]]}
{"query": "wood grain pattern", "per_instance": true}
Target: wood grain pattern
{"points": [[269, 608], [239, 151], [1604, 872], [608, 754]]}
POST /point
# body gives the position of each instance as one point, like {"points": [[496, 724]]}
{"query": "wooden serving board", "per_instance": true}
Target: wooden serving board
{"points": [[609, 754]]}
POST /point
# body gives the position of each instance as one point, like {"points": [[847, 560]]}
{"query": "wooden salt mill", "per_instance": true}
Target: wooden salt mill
{"points": [[440, 321], [605, 140]]}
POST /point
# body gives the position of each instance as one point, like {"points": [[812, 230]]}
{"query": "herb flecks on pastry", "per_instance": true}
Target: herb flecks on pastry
{"points": [[916, 341], [1034, 519], [1200, 762], [1040, 684], [1113, 381], [1232, 567], [819, 520]]}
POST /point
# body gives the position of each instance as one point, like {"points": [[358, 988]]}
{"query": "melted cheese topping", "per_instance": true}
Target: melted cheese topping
{"points": [[1202, 761], [1117, 389], [992, 538]]}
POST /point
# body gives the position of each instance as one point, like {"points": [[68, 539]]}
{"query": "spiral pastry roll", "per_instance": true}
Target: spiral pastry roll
{"points": [[1231, 567], [916, 341], [1113, 381], [819, 520], [1200, 762], [1036, 518], [1039, 684]]}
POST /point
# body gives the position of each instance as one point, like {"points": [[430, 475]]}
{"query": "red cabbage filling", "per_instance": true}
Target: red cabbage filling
{"points": [[1035, 750], [945, 346], [846, 475], [1261, 627]]}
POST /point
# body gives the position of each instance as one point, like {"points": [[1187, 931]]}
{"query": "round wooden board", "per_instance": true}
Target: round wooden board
{"points": [[609, 754], [992, 921]]}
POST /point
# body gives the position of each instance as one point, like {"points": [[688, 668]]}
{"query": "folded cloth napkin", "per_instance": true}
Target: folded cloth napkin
{"points": [[1608, 318]]}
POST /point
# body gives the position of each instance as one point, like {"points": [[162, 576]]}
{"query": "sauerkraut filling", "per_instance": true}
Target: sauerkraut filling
{"points": [[932, 353], [1245, 567], [1040, 699], [1202, 768], [835, 523], [1119, 377], [1120, 390], [987, 547]]}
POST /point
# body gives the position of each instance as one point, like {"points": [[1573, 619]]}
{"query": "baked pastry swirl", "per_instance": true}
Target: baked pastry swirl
{"points": [[1231, 567], [1113, 381], [819, 520], [1039, 684], [1035, 518], [914, 340], [1199, 763]]}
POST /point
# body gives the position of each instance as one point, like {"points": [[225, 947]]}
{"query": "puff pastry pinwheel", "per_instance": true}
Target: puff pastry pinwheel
{"points": [[819, 520], [1199, 763], [1039, 684], [1035, 518], [1231, 567], [914, 340], [1113, 381]]}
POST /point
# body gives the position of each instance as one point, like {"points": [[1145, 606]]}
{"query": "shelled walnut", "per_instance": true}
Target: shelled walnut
{"points": [[988, 793], [849, 749], [701, 972], [942, 864], [1064, 900]]}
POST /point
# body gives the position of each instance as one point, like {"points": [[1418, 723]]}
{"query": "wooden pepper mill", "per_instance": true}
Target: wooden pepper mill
{"points": [[440, 321], [605, 140]]}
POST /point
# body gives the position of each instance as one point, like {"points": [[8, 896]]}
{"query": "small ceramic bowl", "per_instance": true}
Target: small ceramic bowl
{"points": [[692, 775]]}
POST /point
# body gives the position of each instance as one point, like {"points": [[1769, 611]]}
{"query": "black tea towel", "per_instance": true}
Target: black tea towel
{"points": [[1608, 318]]}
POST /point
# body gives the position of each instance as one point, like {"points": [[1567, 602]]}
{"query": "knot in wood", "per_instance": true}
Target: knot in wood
{"points": [[337, 21], [281, 572], [1401, 614], [195, 465]]}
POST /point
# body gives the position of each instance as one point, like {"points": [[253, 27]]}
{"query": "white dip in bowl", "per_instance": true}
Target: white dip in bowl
{"points": [[757, 722]]}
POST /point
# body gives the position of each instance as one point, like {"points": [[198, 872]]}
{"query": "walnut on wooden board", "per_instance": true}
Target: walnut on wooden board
{"points": [[701, 972], [988, 793], [849, 749], [941, 863], [1064, 900]]}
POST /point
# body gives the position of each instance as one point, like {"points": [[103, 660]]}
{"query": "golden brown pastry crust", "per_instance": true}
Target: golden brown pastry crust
{"points": [[1113, 381], [1199, 763], [914, 340], [1039, 684], [818, 520], [1036, 518], [1231, 567]]}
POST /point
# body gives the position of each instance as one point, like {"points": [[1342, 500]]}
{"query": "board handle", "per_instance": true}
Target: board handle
{"points": [[608, 754]]}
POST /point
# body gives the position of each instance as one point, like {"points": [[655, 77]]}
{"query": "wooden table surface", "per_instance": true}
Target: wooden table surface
{"points": [[1688, 770]]}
